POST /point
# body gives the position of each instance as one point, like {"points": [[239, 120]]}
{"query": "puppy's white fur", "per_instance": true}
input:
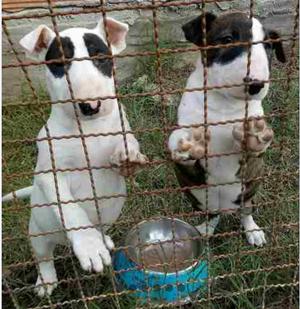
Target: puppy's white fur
{"points": [[89, 245], [223, 105]]}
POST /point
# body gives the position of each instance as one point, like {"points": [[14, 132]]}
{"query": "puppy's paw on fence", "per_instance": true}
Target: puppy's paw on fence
{"points": [[192, 147], [91, 250], [128, 165], [259, 135]]}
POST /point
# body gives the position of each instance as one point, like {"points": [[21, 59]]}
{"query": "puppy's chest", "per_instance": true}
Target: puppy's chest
{"points": [[221, 139], [96, 150], [221, 128], [224, 164]]}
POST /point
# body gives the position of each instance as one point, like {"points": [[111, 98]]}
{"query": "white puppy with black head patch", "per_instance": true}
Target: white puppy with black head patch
{"points": [[89, 79], [225, 66]]}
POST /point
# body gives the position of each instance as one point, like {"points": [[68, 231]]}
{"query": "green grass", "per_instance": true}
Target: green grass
{"points": [[147, 112]]}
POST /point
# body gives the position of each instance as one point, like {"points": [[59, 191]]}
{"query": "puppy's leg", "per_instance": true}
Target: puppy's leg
{"points": [[207, 228], [128, 161], [43, 251], [135, 158], [254, 234], [89, 245], [259, 138]]}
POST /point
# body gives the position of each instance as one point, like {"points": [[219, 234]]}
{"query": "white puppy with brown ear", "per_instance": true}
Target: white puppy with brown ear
{"points": [[73, 206], [225, 67]]}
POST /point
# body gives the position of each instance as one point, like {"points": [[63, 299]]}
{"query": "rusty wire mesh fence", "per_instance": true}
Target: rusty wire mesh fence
{"points": [[239, 276]]}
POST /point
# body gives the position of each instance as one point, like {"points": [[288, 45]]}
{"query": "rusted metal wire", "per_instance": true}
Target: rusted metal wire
{"points": [[230, 294], [244, 144], [212, 279], [144, 94], [214, 257], [154, 129], [274, 227], [203, 300], [161, 51], [170, 190], [102, 8], [225, 234]]}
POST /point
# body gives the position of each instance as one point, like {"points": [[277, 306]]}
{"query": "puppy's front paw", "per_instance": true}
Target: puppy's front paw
{"points": [[128, 167], [256, 237], [46, 287], [259, 136], [91, 249], [192, 147]]}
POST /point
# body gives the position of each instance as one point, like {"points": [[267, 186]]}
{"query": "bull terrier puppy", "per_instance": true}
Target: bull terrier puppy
{"points": [[89, 79], [225, 66]]}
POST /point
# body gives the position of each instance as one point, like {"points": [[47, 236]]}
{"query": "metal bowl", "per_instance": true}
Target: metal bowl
{"points": [[163, 261]]}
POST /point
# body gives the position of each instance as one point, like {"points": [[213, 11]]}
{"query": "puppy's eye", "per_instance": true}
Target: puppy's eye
{"points": [[226, 40]]}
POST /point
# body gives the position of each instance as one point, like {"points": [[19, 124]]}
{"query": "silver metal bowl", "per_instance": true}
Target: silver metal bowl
{"points": [[165, 245], [164, 261]]}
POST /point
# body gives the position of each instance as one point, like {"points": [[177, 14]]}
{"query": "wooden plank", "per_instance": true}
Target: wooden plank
{"points": [[21, 4]]}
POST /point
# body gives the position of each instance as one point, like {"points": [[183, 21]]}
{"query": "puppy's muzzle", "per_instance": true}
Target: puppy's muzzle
{"points": [[88, 110], [255, 85]]}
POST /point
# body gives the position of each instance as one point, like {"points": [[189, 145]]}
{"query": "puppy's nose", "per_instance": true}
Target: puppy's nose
{"points": [[88, 109], [255, 86]]}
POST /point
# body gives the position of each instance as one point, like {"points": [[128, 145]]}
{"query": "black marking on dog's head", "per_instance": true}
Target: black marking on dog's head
{"points": [[53, 53], [225, 29], [96, 47], [194, 31], [277, 46]]}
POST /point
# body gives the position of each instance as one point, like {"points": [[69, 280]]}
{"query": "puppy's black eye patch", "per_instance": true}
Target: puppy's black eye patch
{"points": [[228, 29], [53, 53], [226, 39], [96, 47], [227, 54]]}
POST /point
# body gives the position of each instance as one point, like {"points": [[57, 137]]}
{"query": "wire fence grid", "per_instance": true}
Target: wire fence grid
{"points": [[239, 276]]}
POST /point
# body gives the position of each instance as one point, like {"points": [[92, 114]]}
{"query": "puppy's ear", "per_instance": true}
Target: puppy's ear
{"points": [[277, 46], [116, 31], [193, 30], [37, 41]]}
